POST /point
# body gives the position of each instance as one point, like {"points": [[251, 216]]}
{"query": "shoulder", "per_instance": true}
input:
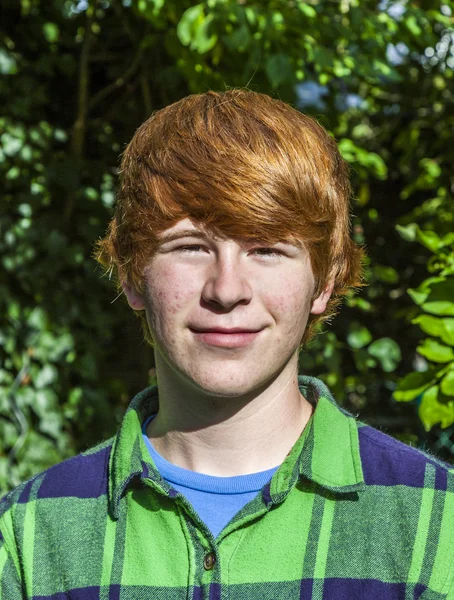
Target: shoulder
{"points": [[388, 462], [82, 476]]}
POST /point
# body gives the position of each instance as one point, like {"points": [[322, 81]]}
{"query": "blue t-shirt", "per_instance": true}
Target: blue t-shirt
{"points": [[215, 499]]}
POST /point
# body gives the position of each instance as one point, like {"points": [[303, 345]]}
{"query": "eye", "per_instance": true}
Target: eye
{"points": [[190, 248], [268, 252]]}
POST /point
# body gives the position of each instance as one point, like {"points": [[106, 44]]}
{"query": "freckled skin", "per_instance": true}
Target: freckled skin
{"points": [[227, 283]]}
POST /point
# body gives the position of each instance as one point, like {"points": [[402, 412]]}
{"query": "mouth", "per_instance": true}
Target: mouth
{"points": [[235, 337]]}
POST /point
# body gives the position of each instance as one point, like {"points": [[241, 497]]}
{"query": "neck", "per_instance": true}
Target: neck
{"points": [[228, 436]]}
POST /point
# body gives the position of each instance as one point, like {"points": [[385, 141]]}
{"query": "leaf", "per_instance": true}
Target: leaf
{"points": [[447, 384], [279, 69], [8, 63], [442, 328], [448, 240], [185, 27], [371, 161], [386, 274], [387, 352], [412, 25], [308, 10], [417, 295], [440, 300], [448, 331], [432, 411], [45, 401], [51, 424], [205, 39], [323, 57], [150, 8], [46, 376], [240, 39], [364, 361], [37, 319], [420, 294], [429, 239], [413, 385], [436, 352], [358, 336], [407, 232], [10, 144], [51, 32]]}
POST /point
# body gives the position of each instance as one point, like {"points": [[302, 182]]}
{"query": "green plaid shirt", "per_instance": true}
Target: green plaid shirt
{"points": [[350, 514]]}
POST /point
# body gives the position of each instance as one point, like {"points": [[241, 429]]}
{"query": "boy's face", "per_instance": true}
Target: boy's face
{"points": [[227, 316]]}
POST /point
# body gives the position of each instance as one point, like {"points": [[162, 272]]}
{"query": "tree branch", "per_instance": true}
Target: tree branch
{"points": [[80, 124]]}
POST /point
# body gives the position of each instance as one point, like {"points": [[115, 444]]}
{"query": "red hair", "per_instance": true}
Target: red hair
{"points": [[245, 166]]}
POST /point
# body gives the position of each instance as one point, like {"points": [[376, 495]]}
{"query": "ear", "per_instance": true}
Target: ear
{"points": [[319, 304], [135, 300]]}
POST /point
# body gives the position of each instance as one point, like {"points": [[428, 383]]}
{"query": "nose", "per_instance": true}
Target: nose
{"points": [[226, 284]]}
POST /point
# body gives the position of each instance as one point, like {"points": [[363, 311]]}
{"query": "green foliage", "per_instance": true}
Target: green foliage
{"points": [[77, 80], [435, 297]]}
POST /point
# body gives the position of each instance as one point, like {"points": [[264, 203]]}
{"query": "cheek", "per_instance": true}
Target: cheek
{"points": [[167, 295], [289, 302]]}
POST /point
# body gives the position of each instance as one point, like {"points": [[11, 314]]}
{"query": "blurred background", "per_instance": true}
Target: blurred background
{"points": [[79, 76]]}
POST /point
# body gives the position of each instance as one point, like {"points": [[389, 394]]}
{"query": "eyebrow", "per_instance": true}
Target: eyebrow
{"points": [[164, 238]]}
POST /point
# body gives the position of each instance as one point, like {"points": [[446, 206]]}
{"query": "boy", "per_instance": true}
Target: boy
{"points": [[233, 478]]}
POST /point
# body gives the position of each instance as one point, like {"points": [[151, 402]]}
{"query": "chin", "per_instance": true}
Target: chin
{"points": [[221, 387], [227, 384]]}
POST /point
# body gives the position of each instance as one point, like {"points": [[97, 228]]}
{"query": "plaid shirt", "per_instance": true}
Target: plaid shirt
{"points": [[351, 514]]}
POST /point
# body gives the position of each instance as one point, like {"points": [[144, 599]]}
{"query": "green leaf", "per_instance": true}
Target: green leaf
{"points": [[429, 239], [10, 144], [448, 331], [387, 352], [417, 295], [421, 293], [447, 384], [407, 232], [279, 69], [185, 27], [45, 401], [51, 424], [386, 274], [240, 39], [205, 38], [323, 57], [51, 32], [442, 328], [150, 8], [436, 352], [448, 240], [37, 319], [412, 25], [308, 10], [364, 361], [358, 336], [432, 411], [46, 376], [440, 300], [413, 385], [8, 63], [371, 161]]}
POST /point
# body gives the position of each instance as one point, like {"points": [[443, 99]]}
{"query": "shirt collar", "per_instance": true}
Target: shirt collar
{"points": [[326, 453]]}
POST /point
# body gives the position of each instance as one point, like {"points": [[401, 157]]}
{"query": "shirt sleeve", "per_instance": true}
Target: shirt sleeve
{"points": [[10, 583]]}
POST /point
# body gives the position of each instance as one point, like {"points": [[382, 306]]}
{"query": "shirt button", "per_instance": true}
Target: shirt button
{"points": [[209, 560]]}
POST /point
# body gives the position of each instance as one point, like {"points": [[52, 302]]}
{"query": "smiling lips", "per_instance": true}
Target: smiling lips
{"points": [[235, 337]]}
